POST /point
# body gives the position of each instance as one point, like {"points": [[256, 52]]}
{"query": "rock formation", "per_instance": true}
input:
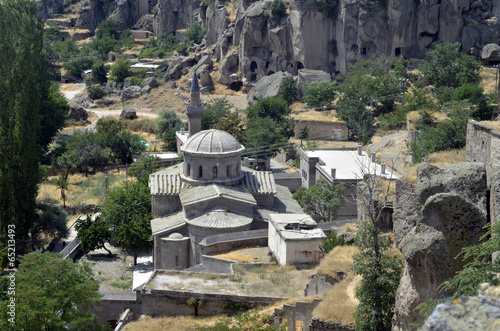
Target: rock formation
{"points": [[451, 208]]}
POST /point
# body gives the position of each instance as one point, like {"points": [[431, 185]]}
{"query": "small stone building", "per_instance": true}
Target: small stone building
{"points": [[295, 238]]}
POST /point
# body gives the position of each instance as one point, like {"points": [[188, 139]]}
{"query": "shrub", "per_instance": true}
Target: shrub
{"points": [[120, 70], [135, 81], [331, 242], [278, 8], [195, 33], [76, 66], [100, 71], [96, 92], [182, 48]]}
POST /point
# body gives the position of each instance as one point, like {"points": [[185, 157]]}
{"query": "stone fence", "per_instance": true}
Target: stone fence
{"points": [[320, 325]]}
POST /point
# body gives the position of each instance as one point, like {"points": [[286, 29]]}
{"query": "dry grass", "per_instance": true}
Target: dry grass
{"points": [[337, 304], [68, 87], [411, 174], [492, 124], [231, 11], [178, 323], [312, 115], [488, 79], [252, 254], [81, 190], [340, 258], [445, 158]]}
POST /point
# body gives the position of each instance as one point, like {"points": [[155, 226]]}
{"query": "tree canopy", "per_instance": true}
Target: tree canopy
{"points": [[322, 201], [448, 66], [93, 233], [52, 294], [319, 94]]}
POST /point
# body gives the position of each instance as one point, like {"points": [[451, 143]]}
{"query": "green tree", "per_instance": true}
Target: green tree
{"points": [[327, 5], [52, 294], [108, 28], [278, 110], [358, 119], [144, 167], [100, 72], [195, 32], [399, 65], [278, 8], [93, 233], [263, 139], [122, 143], [447, 66], [21, 71], [75, 66], [319, 94], [232, 124], [381, 272], [288, 90], [49, 223], [53, 111], [322, 201], [105, 44], [128, 210], [62, 184], [167, 123], [120, 70], [216, 110]]}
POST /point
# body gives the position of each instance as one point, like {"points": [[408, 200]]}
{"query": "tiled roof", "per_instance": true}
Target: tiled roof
{"points": [[220, 219], [167, 181], [261, 182], [209, 192], [162, 224]]}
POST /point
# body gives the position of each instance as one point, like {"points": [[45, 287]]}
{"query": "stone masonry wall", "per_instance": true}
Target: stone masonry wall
{"points": [[483, 145], [322, 130]]}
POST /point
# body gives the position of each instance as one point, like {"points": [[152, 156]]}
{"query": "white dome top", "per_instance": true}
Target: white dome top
{"points": [[212, 142]]}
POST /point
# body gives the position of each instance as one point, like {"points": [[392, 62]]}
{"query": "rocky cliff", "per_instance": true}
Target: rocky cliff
{"points": [[451, 208]]}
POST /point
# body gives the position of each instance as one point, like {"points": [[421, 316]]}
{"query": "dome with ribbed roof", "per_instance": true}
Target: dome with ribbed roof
{"points": [[212, 142]]}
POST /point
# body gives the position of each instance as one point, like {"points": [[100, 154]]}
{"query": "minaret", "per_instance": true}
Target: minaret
{"points": [[195, 109]]}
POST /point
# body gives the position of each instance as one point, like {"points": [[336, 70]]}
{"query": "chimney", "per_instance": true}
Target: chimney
{"points": [[374, 157], [382, 166], [360, 151], [333, 172]]}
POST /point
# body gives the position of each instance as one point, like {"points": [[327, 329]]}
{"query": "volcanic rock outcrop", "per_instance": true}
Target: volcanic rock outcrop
{"points": [[450, 205]]}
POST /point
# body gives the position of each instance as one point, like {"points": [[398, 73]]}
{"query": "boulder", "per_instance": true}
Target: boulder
{"points": [[130, 93], [267, 86], [174, 71], [77, 113], [451, 208], [466, 313], [128, 113], [307, 76], [490, 52], [229, 66], [151, 82]]}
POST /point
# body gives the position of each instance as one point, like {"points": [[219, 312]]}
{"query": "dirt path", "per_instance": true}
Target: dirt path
{"points": [[351, 289]]}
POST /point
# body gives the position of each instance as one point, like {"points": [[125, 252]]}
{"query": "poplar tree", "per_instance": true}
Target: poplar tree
{"points": [[21, 43]]}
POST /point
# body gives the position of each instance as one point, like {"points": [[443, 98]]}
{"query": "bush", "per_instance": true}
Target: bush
{"points": [[135, 81], [328, 5], [195, 33], [100, 72], [278, 8], [182, 48], [96, 92], [331, 242]]}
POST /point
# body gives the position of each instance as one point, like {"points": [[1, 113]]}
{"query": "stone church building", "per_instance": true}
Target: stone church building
{"points": [[210, 193]]}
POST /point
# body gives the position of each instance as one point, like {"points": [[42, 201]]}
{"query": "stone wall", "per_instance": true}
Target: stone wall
{"points": [[165, 204], [113, 304], [322, 130], [483, 145], [163, 302], [291, 181], [320, 325], [217, 265]]}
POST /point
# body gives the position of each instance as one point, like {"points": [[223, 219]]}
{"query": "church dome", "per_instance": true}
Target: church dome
{"points": [[212, 142]]}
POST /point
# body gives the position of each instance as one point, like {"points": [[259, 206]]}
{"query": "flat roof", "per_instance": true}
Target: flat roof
{"points": [[349, 165], [296, 227]]}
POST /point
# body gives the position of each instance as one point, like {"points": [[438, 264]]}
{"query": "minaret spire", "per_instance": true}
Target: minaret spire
{"points": [[195, 109]]}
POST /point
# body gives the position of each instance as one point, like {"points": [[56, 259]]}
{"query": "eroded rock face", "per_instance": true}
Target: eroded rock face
{"points": [[266, 87], [173, 15], [450, 205], [128, 113]]}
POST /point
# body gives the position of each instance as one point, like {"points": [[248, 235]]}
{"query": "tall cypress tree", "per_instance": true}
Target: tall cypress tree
{"points": [[21, 74]]}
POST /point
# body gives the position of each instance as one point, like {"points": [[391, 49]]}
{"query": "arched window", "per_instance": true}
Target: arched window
{"points": [[188, 170], [215, 172], [200, 172], [228, 171]]}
